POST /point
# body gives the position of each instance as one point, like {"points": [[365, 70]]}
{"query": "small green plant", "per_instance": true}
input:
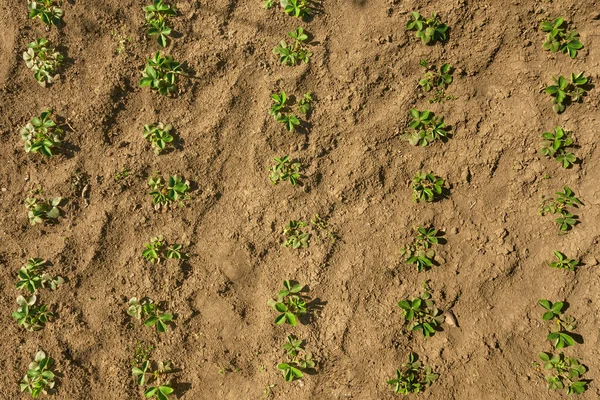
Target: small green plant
{"points": [[42, 134], [158, 249], [429, 30], [555, 145], [566, 373], [420, 313], [282, 111], [46, 10], [563, 262], [122, 39], [438, 80], [305, 103], [157, 16], [560, 334], [296, 237], [142, 353], [299, 360], [565, 92], [427, 187], [43, 60], [40, 378], [285, 170], [165, 193], [413, 377], [153, 377], [420, 251], [426, 128], [161, 73], [292, 54], [147, 310], [122, 174], [559, 38], [296, 8], [289, 303], [30, 316], [32, 276], [566, 220], [323, 231], [158, 136], [41, 211]]}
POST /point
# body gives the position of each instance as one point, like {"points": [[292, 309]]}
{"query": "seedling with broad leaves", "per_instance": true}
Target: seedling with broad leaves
{"points": [[420, 252], [437, 79], [421, 314], [33, 276], [158, 135], [564, 92], [285, 170], [43, 211], [43, 60], [299, 360], [153, 377], [566, 373], [426, 128], [289, 303], [413, 377], [40, 378], [164, 194], [282, 111], [427, 187], [429, 30], [161, 73], [295, 8], [560, 334], [566, 220], [42, 135], [46, 10], [556, 144], [159, 249], [563, 262], [157, 16], [559, 38], [297, 238], [145, 309], [292, 54], [30, 316]]}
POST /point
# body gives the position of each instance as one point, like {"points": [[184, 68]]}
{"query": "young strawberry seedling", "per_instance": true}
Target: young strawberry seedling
{"points": [[438, 80], [32, 276], [559, 38], [322, 229], [40, 378], [292, 54], [42, 134], [413, 377], [153, 376], [565, 92], [563, 262], [426, 128], [427, 187], [429, 30], [41, 211], [420, 251], [158, 136], [30, 316], [305, 103], [46, 10], [282, 111], [285, 170], [300, 360], [420, 313], [159, 249], [161, 73], [157, 16], [147, 310], [566, 221], [555, 146], [166, 193], [296, 8], [43, 60], [560, 334], [296, 237], [289, 303], [566, 373]]}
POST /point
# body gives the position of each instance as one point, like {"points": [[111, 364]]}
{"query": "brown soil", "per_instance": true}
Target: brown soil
{"points": [[364, 74]]}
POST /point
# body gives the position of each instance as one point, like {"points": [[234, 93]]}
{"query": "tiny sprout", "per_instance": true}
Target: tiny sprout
{"points": [[158, 248], [147, 310]]}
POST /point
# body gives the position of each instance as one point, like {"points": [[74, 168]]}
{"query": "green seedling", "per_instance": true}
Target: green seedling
{"points": [[40, 378], [565, 92], [420, 313], [559, 38], [157, 16], [296, 8], [438, 80], [158, 249], [147, 310], [296, 237], [322, 228], [282, 111], [285, 170], [429, 30], [29, 316], [122, 39], [426, 128], [555, 146], [158, 135], [563, 262], [142, 353], [154, 378], [43, 60], [427, 187], [289, 303], [305, 104], [166, 193], [413, 377], [269, 4], [420, 251], [560, 334], [292, 54], [46, 10], [566, 220], [41, 211], [566, 373], [300, 360], [32, 276], [161, 73], [42, 135]]}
